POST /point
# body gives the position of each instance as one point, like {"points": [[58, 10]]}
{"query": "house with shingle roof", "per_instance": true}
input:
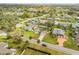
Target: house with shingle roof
{"points": [[57, 31]]}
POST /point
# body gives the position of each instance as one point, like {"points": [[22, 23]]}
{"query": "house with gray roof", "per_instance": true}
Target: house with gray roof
{"points": [[57, 31]]}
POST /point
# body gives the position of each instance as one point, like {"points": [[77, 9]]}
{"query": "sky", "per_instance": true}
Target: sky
{"points": [[40, 1]]}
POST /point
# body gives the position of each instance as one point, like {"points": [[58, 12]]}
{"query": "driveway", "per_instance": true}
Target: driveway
{"points": [[42, 35]]}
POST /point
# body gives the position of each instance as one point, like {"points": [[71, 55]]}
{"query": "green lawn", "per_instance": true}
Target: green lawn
{"points": [[49, 39], [3, 36], [11, 43], [70, 43], [2, 40], [31, 34]]}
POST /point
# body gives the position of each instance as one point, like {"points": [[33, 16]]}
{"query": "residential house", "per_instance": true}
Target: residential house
{"points": [[64, 24], [58, 31], [43, 21], [36, 29], [67, 17], [75, 25]]}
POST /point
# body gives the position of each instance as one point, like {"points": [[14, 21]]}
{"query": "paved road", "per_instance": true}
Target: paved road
{"points": [[56, 47], [28, 19]]}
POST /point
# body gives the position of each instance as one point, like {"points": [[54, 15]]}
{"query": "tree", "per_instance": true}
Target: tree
{"points": [[16, 35], [30, 37], [7, 22], [38, 41], [26, 15]]}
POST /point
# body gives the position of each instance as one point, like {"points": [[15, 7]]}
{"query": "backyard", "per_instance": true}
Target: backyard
{"points": [[31, 34]]}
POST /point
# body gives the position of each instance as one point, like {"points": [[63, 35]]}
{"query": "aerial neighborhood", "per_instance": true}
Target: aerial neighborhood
{"points": [[39, 30]]}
